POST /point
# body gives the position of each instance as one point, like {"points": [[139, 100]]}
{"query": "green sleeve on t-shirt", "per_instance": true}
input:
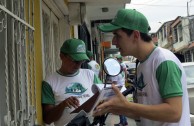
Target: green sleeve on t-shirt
{"points": [[47, 94], [168, 75], [97, 80]]}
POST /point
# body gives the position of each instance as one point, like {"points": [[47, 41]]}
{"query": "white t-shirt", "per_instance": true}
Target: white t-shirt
{"points": [[95, 67], [119, 79], [123, 66], [62, 87], [159, 77]]}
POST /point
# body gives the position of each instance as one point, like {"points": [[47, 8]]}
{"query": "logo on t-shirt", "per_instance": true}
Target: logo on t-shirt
{"points": [[75, 88], [140, 83], [97, 66]]}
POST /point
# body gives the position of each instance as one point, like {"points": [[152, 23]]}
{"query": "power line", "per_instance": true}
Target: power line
{"points": [[160, 5]]}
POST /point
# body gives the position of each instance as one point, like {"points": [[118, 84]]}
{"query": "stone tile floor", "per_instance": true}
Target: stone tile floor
{"points": [[114, 119]]}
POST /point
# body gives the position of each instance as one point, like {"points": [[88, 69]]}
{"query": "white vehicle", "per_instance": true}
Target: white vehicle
{"points": [[129, 64], [189, 70]]}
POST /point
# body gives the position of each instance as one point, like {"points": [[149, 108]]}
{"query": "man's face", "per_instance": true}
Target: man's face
{"points": [[119, 59], [123, 42], [70, 65]]}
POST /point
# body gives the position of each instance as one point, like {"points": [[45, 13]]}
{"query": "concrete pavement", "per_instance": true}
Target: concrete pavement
{"points": [[114, 119]]}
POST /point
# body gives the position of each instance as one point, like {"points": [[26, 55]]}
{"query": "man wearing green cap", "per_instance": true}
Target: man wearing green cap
{"points": [[93, 65], [68, 87], [161, 92]]}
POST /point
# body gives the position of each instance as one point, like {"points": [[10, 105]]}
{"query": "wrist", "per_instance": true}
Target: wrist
{"points": [[64, 104]]}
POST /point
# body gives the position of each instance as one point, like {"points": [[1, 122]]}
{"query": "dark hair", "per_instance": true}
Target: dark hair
{"points": [[63, 53], [127, 31], [144, 36]]}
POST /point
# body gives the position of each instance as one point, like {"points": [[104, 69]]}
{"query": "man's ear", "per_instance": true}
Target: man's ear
{"points": [[136, 34], [61, 55]]}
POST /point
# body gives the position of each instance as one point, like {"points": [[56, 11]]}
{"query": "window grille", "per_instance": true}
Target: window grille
{"points": [[180, 32], [191, 26], [175, 35], [17, 77]]}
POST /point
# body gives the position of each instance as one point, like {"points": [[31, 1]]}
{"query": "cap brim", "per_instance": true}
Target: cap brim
{"points": [[79, 57], [108, 27]]}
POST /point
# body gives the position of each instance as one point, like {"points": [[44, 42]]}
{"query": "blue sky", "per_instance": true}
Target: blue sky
{"points": [[160, 11]]}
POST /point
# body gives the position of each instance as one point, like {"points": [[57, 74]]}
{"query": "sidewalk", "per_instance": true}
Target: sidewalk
{"points": [[114, 119]]}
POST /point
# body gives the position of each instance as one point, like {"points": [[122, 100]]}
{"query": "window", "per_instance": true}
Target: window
{"points": [[175, 35], [165, 31], [51, 42], [180, 33], [188, 56], [161, 35], [192, 29]]}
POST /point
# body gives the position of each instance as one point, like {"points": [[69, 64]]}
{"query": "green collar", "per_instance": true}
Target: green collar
{"points": [[148, 55]]}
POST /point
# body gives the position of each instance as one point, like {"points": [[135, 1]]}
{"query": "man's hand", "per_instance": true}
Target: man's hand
{"points": [[71, 102], [113, 105], [52, 113]]}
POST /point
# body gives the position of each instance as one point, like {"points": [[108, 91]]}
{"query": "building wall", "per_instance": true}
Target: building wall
{"points": [[178, 37], [38, 59]]}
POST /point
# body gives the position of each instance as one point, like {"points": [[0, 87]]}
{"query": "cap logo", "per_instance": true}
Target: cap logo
{"points": [[81, 48]]}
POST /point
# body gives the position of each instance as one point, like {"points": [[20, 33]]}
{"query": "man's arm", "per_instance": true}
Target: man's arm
{"points": [[169, 111], [168, 74], [52, 113]]}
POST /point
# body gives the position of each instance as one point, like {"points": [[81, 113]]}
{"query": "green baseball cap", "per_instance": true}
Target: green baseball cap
{"points": [[75, 48], [129, 19], [89, 53], [119, 57]]}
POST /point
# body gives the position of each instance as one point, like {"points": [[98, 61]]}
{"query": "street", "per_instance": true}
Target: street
{"points": [[114, 119]]}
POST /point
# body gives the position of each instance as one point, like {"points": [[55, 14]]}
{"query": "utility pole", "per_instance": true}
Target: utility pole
{"points": [[188, 7]]}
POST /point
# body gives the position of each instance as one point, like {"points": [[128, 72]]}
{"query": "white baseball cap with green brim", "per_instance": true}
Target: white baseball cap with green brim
{"points": [[128, 19], [75, 48]]}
